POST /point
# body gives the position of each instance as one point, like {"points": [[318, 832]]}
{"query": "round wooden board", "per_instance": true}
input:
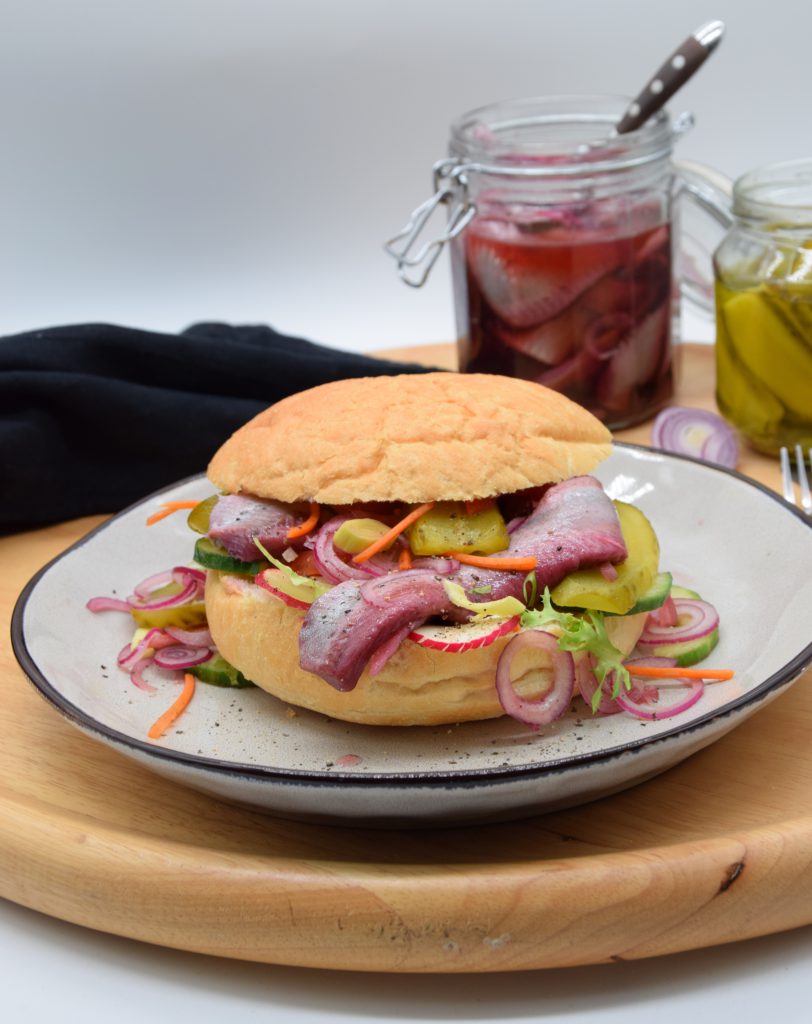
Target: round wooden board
{"points": [[715, 850]]}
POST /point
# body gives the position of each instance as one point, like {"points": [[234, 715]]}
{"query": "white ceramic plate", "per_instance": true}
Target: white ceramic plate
{"points": [[738, 544]]}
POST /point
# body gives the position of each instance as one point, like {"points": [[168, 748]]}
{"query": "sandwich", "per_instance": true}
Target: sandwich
{"points": [[423, 550]]}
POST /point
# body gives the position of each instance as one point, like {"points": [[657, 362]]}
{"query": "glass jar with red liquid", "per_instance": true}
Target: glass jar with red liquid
{"points": [[562, 248]]}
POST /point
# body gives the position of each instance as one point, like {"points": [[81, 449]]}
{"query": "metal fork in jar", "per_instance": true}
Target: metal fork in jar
{"points": [[803, 478]]}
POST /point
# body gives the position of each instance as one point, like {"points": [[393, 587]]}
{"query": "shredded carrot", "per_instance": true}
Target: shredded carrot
{"points": [[168, 717], [168, 507], [405, 559], [478, 505], [385, 539], [304, 528], [679, 673], [520, 564]]}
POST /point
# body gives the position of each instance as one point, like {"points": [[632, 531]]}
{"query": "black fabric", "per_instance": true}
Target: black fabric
{"points": [[94, 417]]}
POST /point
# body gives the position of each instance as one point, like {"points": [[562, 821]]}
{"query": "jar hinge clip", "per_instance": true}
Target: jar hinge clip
{"points": [[451, 190]]}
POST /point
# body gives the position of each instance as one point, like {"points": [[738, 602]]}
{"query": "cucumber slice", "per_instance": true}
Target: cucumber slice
{"points": [[685, 592], [688, 652], [219, 672], [213, 556], [655, 596]]}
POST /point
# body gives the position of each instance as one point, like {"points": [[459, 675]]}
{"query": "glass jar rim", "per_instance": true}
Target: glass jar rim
{"points": [[778, 194], [576, 130]]}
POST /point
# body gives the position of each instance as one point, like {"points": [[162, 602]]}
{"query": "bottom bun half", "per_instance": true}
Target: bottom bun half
{"points": [[258, 634]]}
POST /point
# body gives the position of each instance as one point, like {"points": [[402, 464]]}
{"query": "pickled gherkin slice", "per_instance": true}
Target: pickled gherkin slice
{"points": [[198, 518], [769, 348], [219, 672], [449, 527], [355, 535]]}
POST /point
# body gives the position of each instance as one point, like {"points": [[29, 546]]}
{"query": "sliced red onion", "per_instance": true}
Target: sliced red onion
{"points": [[152, 583], [179, 657], [695, 619], [640, 708], [515, 523], [154, 638], [696, 432], [107, 604], [333, 568], [608, 571], [184, 596], [137, 678], [200, 637], [552, 704]]}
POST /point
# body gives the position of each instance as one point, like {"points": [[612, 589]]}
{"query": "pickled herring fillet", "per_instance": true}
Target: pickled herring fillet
{"points": [[236, 520], [526, 283], [346, 626], [574, 525]]}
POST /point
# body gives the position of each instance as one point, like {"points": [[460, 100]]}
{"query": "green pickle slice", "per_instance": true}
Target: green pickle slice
{"points": [[198, 518], [448, 527]]}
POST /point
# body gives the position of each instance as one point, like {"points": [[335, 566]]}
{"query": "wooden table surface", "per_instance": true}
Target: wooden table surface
{"points": [[714, 850]]}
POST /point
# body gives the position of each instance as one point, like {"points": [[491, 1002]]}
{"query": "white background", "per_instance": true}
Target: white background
{"points": [[166, 161]]}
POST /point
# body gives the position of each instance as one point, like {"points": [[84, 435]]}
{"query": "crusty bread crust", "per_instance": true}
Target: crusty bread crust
{"points": [[258, 634], [411, 438]]}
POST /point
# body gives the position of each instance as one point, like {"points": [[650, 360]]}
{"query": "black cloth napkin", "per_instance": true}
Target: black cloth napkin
{"points": [[94, 416]]}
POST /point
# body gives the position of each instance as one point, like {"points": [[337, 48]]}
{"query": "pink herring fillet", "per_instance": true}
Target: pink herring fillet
{"points": [[573, 525]]}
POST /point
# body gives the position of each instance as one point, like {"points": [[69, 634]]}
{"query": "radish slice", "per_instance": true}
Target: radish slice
{"points": [[554, 663], [291, 602], [698, 433], [465, 636], [695, 619]]}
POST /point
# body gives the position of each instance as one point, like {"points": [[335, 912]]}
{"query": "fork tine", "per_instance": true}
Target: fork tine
{"points": [[803, 480], [786, 477]]}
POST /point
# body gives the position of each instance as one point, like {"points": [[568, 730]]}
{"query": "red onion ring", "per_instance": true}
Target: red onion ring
{"points": [[136, 677], [695, 619], [107, 604], [179, 657], [552, 704], [185, 596], [190, 637], [634, 706], [696, 432], [155, 638], [333, 568], [436, 564]]}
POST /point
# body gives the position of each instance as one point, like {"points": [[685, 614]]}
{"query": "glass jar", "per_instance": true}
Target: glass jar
{"points": [[562, 237], [763, 272]]}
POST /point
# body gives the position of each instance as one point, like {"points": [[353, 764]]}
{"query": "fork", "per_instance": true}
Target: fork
{"points": [[803, 479]]}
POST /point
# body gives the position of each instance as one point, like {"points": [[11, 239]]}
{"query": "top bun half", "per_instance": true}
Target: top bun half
{"points": [[411, 438]]}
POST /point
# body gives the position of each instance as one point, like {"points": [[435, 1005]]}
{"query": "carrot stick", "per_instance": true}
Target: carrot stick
{"points": [[168, 717], [405, 559], [679, 673], [304, 528], [520, 564], [167, 508], [390, 535]]}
